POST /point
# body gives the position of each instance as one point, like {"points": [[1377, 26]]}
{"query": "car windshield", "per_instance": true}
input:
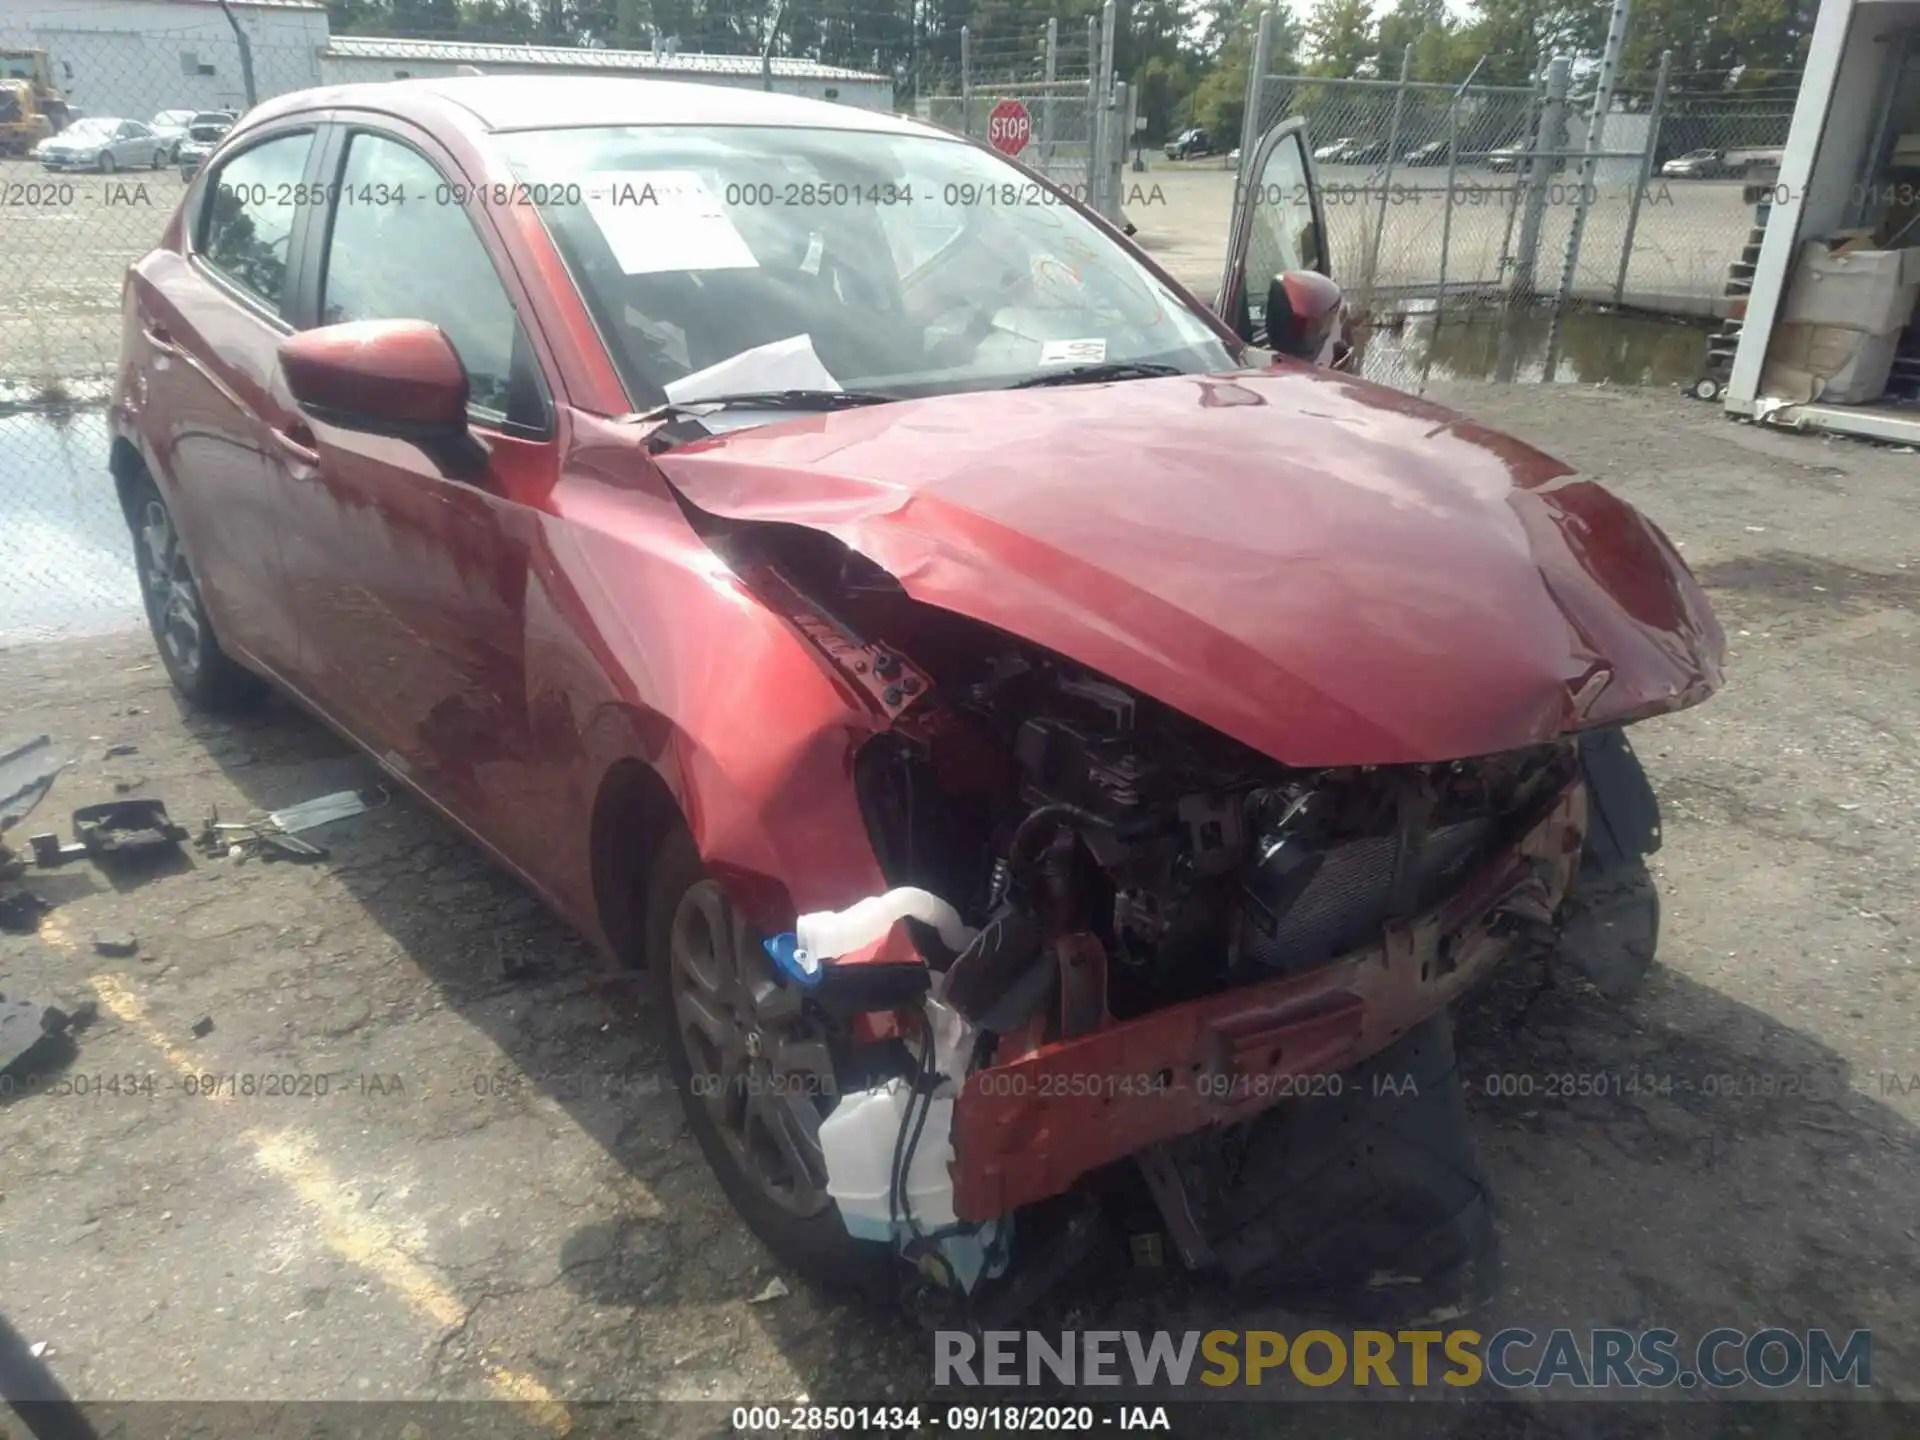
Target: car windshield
{"points": [[729, 260], [94, 128], [170, 118]]}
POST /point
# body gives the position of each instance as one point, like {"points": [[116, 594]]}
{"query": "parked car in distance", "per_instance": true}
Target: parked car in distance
{"points": [[171, 128], [1505, 159], [1702, 164], [1434, 152], [818, 604], [204, 132], [1335, 151], [1190, 144], [102, 143], [1364, 152], [1748, 161]]}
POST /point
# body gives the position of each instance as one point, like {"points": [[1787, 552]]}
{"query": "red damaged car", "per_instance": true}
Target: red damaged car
{"points": [[1056, 752]]}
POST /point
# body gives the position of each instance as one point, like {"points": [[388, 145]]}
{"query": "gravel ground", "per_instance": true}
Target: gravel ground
{"points": [[496, 1196]]}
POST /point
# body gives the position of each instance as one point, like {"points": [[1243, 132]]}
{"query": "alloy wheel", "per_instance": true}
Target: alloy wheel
{"points": [[760, 1060], [173, 601], [106, 162]]}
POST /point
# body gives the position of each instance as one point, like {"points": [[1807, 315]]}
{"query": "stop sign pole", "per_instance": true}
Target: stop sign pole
{"points": [[1009, 127]]}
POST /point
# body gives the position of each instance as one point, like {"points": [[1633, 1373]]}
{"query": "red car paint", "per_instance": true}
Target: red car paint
{"points": [[1324, 569], [1321, 568]]}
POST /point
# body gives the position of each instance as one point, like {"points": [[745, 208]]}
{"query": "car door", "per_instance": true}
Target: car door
{"points": [[212, 321], [1277, 227], [411, 586]]}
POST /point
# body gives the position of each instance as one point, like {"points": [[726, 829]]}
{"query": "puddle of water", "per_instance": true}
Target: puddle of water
{"points": [[66, 564], [1594, 347]]}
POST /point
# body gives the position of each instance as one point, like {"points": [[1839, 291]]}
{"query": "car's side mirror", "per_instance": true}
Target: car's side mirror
{"points": [[1303, 307], [400, 378]]}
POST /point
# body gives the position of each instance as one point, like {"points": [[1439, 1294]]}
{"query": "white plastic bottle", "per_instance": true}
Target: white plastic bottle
{"points": [[858, 1141]]}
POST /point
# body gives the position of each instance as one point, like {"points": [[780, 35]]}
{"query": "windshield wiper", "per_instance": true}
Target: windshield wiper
{"points": [[769, 400], [1088, 374]]}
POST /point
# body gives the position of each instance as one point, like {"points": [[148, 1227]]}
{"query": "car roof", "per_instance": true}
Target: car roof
{"points": [[554, 102]]}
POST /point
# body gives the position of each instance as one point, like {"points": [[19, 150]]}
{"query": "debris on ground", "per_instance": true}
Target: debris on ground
{"points": [[27, 772], [114, 752], [32, 1034], [203, 1027], [122, 829], [49, 852], [321, 810], [274, 836], [774, 1289], [116, 943], [253, 837]]}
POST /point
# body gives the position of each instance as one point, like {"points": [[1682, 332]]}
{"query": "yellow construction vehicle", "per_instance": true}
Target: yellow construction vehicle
{"points": [[31, 105]]}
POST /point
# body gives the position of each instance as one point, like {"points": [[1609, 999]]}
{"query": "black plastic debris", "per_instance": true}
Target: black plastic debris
{"points": [[116, 943], [32, 1035], [124, 829], [203, 1027], [20, 910]]}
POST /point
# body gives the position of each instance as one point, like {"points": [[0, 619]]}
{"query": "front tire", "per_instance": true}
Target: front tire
{"points": [[106, 162], [204, 674], [754, 1067]]}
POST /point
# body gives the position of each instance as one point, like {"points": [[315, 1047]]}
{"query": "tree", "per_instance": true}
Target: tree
{"points": [[1343, 39], [1219, 100], [1518, 37], [1428, 28]]}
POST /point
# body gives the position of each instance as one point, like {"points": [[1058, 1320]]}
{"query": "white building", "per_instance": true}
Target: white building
{"points": [[137, 57], [361, 57]]}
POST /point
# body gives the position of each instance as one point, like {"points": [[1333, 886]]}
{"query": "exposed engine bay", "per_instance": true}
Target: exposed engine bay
{"points": [[1044, 799], [1086, 859]]}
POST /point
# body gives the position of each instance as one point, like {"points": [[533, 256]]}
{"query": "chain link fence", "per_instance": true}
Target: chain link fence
{"points": [[90, 174], [1437, 197], [1472, 193], [1042, 102]]}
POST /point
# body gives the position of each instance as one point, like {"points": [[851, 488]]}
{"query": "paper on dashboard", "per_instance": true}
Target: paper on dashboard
{"points": [[663, 220], [789, 364]]}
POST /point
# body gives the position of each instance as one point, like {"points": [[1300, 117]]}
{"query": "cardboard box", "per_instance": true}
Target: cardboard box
{"points": [[1859, 289], [1829, 363]]}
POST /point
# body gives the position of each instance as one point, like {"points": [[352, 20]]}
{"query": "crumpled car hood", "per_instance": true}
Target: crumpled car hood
{"points": [[1324, 569]]}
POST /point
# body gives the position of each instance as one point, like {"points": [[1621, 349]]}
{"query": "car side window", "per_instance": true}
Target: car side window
{"points": [[246, 229], [402, 248]]}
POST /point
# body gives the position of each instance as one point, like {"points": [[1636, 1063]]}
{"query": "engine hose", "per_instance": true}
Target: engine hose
{"points": [[1038, 828]]}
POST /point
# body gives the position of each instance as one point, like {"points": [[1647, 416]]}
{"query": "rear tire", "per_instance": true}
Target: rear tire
{"points": [[204, 674], [687, 913]]}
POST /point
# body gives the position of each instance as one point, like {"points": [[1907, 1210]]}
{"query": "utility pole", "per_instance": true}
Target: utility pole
{"points": [[767, 42], [1590, 152], [1647, 157], [1541, 164], [246, 54]]}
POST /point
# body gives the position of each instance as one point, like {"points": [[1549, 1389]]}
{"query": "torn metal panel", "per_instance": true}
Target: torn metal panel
{"points": [[1325, 570]]}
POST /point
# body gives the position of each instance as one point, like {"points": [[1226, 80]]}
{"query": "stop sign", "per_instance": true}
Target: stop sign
{"points": [[1009, 127]]}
